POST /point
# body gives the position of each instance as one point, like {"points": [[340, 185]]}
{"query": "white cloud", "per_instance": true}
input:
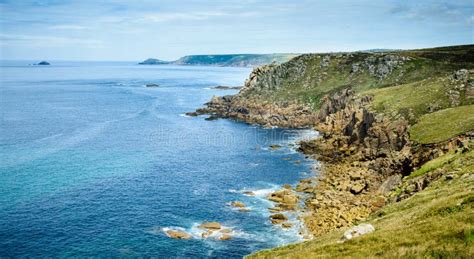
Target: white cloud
{"points": [[47, 41], [470, 20], [67, 27], [165, 17]]}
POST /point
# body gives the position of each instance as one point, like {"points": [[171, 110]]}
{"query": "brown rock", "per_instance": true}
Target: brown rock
{"points": [[225, 237], [248, 193], [207, 234], [358, 187], [275, 209], [286, 225], [355, 175], [210, 225], [278, 218], [226, 230], [275, 147], [178, 234], [237, 204], [390, 184], [290, 199]]}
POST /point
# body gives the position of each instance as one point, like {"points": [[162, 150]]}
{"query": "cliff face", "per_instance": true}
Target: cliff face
{"points": [[365, 105]]}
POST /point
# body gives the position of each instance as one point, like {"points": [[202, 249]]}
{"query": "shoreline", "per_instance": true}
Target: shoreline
{"points": [[365, 154]]}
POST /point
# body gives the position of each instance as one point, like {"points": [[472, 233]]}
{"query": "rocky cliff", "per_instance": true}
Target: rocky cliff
{"points": [[372, 110]]}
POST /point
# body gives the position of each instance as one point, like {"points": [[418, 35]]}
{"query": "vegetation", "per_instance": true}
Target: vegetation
{"points": [[232, 60], [307, 78], [235, 59], [434, 164], [443, 125], [435, 223], [433, 90]]}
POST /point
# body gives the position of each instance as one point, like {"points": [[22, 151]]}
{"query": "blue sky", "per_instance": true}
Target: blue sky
{"points": [[168, 29]]}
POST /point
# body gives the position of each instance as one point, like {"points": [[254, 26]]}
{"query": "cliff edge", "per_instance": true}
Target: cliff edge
{"points": [[396, 128]]}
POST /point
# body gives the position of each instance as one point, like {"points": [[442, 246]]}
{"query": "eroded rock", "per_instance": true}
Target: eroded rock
{"points": [[178, 234], [211, 225]]}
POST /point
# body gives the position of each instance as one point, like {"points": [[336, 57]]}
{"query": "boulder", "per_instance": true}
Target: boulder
{"points": [[275, 209], [277, 196], [210, 225], [248, 193], [286, 225], [390, 183], [226, 230], [225, 237], [237, 204], [192, 114], [275, 147], [290, 199], [207, 234], [278, 218], [355, 175], [178, 234], [358, 230], [358, 187]]}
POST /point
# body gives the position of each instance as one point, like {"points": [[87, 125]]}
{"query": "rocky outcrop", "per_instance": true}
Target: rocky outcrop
{"points": [[254, 111], [210, 225], [178, 234], [358, 230], [364, 154]]}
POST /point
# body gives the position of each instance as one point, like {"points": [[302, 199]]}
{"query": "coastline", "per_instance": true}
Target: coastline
{"points": [[366, 155]]}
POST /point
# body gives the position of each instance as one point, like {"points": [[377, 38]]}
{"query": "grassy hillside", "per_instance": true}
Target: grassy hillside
{"points": [[443, 125], [433, 91], [308, 77], [437, 223]]}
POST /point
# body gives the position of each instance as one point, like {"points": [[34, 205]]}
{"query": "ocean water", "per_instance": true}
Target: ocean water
{"points": [[92, 163]]}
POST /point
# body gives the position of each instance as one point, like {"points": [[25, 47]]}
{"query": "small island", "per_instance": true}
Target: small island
{"points": [[43, 63], [153, 61]]}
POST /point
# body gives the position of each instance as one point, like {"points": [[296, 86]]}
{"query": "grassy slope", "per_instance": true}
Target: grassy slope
{"points": [[317, 80], [444, 124], [437, 222]]}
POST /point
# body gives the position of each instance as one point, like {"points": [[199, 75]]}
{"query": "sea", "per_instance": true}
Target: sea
{"points": [[93, 163]]}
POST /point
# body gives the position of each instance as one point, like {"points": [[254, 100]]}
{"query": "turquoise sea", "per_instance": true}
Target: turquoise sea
{"points": [[92, 163]]}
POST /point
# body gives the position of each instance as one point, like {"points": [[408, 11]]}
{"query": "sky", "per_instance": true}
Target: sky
{"points": [[168, 29]]}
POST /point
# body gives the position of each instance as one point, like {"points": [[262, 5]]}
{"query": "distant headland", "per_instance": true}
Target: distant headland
{"points": [[227, 60]]}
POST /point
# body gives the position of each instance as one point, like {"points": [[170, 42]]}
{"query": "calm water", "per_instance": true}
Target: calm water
{"points": [[93, 163]]}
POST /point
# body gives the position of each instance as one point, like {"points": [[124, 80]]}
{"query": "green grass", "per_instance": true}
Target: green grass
{"points": [[437, 222], [443, 125], [414, 98], [302, 79], [434, 164]]}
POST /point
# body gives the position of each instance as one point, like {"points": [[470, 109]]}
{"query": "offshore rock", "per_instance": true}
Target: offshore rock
{"points": [[178, 234]]}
